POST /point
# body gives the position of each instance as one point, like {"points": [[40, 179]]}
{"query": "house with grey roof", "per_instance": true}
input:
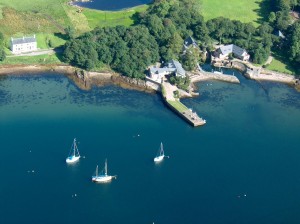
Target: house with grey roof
{"points": [[224, 51], [177, 67], [24, 44], [156, 74], [189, 42]]}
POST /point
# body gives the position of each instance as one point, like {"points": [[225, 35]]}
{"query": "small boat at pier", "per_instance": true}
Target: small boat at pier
{"points": [[74, 153], [102, 177]]}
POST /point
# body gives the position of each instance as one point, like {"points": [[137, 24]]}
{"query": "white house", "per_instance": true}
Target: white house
{"points": [[237, 52], [24, 44], [156, 74]]}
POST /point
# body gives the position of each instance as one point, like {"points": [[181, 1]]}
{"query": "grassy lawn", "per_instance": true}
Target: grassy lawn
{"points": [[279, 66], [27, 60], [44, 39], [104, 18], [53, 7], [244, 10], [178, 105]]}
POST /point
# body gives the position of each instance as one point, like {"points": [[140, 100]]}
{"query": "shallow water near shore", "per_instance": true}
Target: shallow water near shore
{"points": [[241, 167], [112, 5]]}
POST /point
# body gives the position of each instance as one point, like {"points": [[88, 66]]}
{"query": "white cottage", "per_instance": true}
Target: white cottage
{"points": [[24, 44], [173, 66], [224, 51]]}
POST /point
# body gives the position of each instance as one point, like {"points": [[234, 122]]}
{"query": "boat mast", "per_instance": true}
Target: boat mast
{"points": [[105, 167], [74, 149], [161, 149], [97, 171]]}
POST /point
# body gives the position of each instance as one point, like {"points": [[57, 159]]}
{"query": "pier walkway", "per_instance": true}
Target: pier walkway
{"points": [[175, 104]]}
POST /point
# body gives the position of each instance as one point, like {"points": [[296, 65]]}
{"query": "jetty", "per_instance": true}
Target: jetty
{"points": [[260, 74], [202, 75], [174, 103]]}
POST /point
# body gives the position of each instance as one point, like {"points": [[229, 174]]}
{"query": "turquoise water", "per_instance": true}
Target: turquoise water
{"points": [[242, 167]]}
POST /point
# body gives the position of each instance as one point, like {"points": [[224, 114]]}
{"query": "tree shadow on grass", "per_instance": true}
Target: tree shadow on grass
{"points": [[63, 36], [265, 7], [135, 18]]}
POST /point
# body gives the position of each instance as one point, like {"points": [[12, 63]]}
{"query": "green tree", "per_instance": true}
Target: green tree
{"points": [[2, 54], [70, 31], [1, 39], [293, 44], [191, 58], [272, 17]]}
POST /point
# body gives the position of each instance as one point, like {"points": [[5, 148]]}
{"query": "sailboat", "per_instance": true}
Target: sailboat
{"points": [[103, 177], [74, 153], [160, 155]]}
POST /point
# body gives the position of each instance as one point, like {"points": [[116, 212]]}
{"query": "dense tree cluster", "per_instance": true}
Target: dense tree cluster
{"points": [[170, 22], [2, 52], [281, 20], [126, 50], [293, 44], [160, 31]]}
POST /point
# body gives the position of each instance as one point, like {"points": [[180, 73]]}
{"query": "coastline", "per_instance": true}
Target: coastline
{"points": [[85, 80], [82, 79], [261, 74]]}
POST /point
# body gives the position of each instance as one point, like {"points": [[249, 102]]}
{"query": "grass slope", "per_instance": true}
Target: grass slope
{"points": [[243, 10], [278, 64], [27, 17], [114, 18]]}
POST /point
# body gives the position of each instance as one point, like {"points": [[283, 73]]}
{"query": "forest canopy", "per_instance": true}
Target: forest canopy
{"points": [[159, 33]]}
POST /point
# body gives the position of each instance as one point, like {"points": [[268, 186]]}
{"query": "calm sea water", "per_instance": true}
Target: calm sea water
{"points": [[242, 167], [112, 5]]}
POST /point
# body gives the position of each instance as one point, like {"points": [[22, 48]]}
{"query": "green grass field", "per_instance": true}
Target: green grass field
{"points": [[47, 17], [106, 18], [30, 60], [244, 10]]}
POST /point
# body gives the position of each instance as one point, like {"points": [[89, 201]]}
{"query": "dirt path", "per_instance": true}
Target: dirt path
{"points": [[34, 53]]}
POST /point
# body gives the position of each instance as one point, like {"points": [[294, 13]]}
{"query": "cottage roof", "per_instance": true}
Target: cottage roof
{"points": [[279, 34], [227, 49], [178, 66], [23, 40], [155, 70], [190, 41]]}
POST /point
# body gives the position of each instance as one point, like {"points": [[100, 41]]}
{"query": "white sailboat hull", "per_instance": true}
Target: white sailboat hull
{"points": [[102, 179], [158, 158], [72, 159]]}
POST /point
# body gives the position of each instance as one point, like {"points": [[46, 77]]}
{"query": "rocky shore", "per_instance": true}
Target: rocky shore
{"points": [[83, 79]]}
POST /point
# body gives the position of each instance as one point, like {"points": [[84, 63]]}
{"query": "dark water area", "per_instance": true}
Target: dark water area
{"points": [[241, 167], [112, 5]]}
